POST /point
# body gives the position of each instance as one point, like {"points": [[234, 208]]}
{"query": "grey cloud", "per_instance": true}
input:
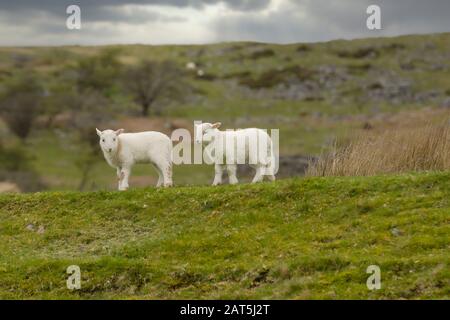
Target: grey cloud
{"points": [[321, 20], [56, 5], [22, 11], [290, 21], [131, 16]]}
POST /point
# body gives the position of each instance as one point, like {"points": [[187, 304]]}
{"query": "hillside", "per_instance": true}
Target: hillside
{"points": [[296, 238], [312, 92]]}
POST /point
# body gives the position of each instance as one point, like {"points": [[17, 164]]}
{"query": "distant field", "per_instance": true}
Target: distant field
{"points": [[313, 92], [293, 239]]}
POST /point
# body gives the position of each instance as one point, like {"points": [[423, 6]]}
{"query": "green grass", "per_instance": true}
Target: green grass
{"points": [[300, 238]]}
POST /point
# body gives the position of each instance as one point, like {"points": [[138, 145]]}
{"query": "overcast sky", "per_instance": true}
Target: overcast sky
{"points": [[43, 22]]}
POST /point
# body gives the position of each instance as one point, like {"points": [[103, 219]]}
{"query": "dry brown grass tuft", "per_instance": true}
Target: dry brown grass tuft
{"points": [[425, 147]]}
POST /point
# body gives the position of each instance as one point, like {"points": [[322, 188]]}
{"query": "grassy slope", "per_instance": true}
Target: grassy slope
{"points": [[304, 238], [306, 127]]}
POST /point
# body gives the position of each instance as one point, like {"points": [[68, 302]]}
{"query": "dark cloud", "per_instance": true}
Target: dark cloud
{"points": [[132, 15], [113, 10], [189, 20], [58, 6], [321, 20]]}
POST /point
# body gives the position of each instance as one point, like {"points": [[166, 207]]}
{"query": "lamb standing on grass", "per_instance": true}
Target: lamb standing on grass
{"points": [[247, 146], [123, 150]]}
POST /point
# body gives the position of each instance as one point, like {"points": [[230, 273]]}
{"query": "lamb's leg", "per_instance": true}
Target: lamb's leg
{"points": [[258, 176], [160, 176], [165, 167], [218, 168], [231, 169], [160, 179], [167, 175], [169, 180], [125, 172], [119, 177], [269, 173]]}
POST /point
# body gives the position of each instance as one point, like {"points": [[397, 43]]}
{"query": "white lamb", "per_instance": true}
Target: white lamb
{"points": [[245, 146], [123, 150]]}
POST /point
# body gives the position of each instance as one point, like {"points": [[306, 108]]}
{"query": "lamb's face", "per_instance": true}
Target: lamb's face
{"points": [[200, 130], [109, 140], [204, 131]]}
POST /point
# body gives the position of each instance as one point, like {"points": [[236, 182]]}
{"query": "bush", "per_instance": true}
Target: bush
{"points": [[303, 48], [13, 159], [274, 77], [360, 53], [264, 53], [359, 69], [14, 167], [98, 72], [393, 151], [19, 104]]}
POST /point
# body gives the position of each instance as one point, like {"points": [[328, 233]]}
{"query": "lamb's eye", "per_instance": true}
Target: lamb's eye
{"points": [[103, 140], [114, 139]]}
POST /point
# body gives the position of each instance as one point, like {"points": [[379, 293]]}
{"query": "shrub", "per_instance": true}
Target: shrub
{"points": [[360, 53], [98, 72], [15, 167], [275, 77], [359, 69], [264, 53], [20, 103], [13, 158], [303, 48]]}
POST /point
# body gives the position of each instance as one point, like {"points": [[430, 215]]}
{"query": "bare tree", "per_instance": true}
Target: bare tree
{"points": [[152, 81]]}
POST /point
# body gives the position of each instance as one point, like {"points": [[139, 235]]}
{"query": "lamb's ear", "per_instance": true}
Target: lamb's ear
{"points": [[98, 132], [216, 125], [119, 131]]}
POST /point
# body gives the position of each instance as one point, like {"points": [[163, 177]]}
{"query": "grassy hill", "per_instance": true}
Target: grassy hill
{"points": [[297, 238], [312, 92]]}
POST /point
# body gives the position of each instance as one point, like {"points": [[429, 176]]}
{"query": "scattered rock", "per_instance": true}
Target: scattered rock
{"points": [[30, 227], [191, 66], [41, 230], [426, 96], [390, 89], [396, 232], [330, 76], [446, 103]]}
